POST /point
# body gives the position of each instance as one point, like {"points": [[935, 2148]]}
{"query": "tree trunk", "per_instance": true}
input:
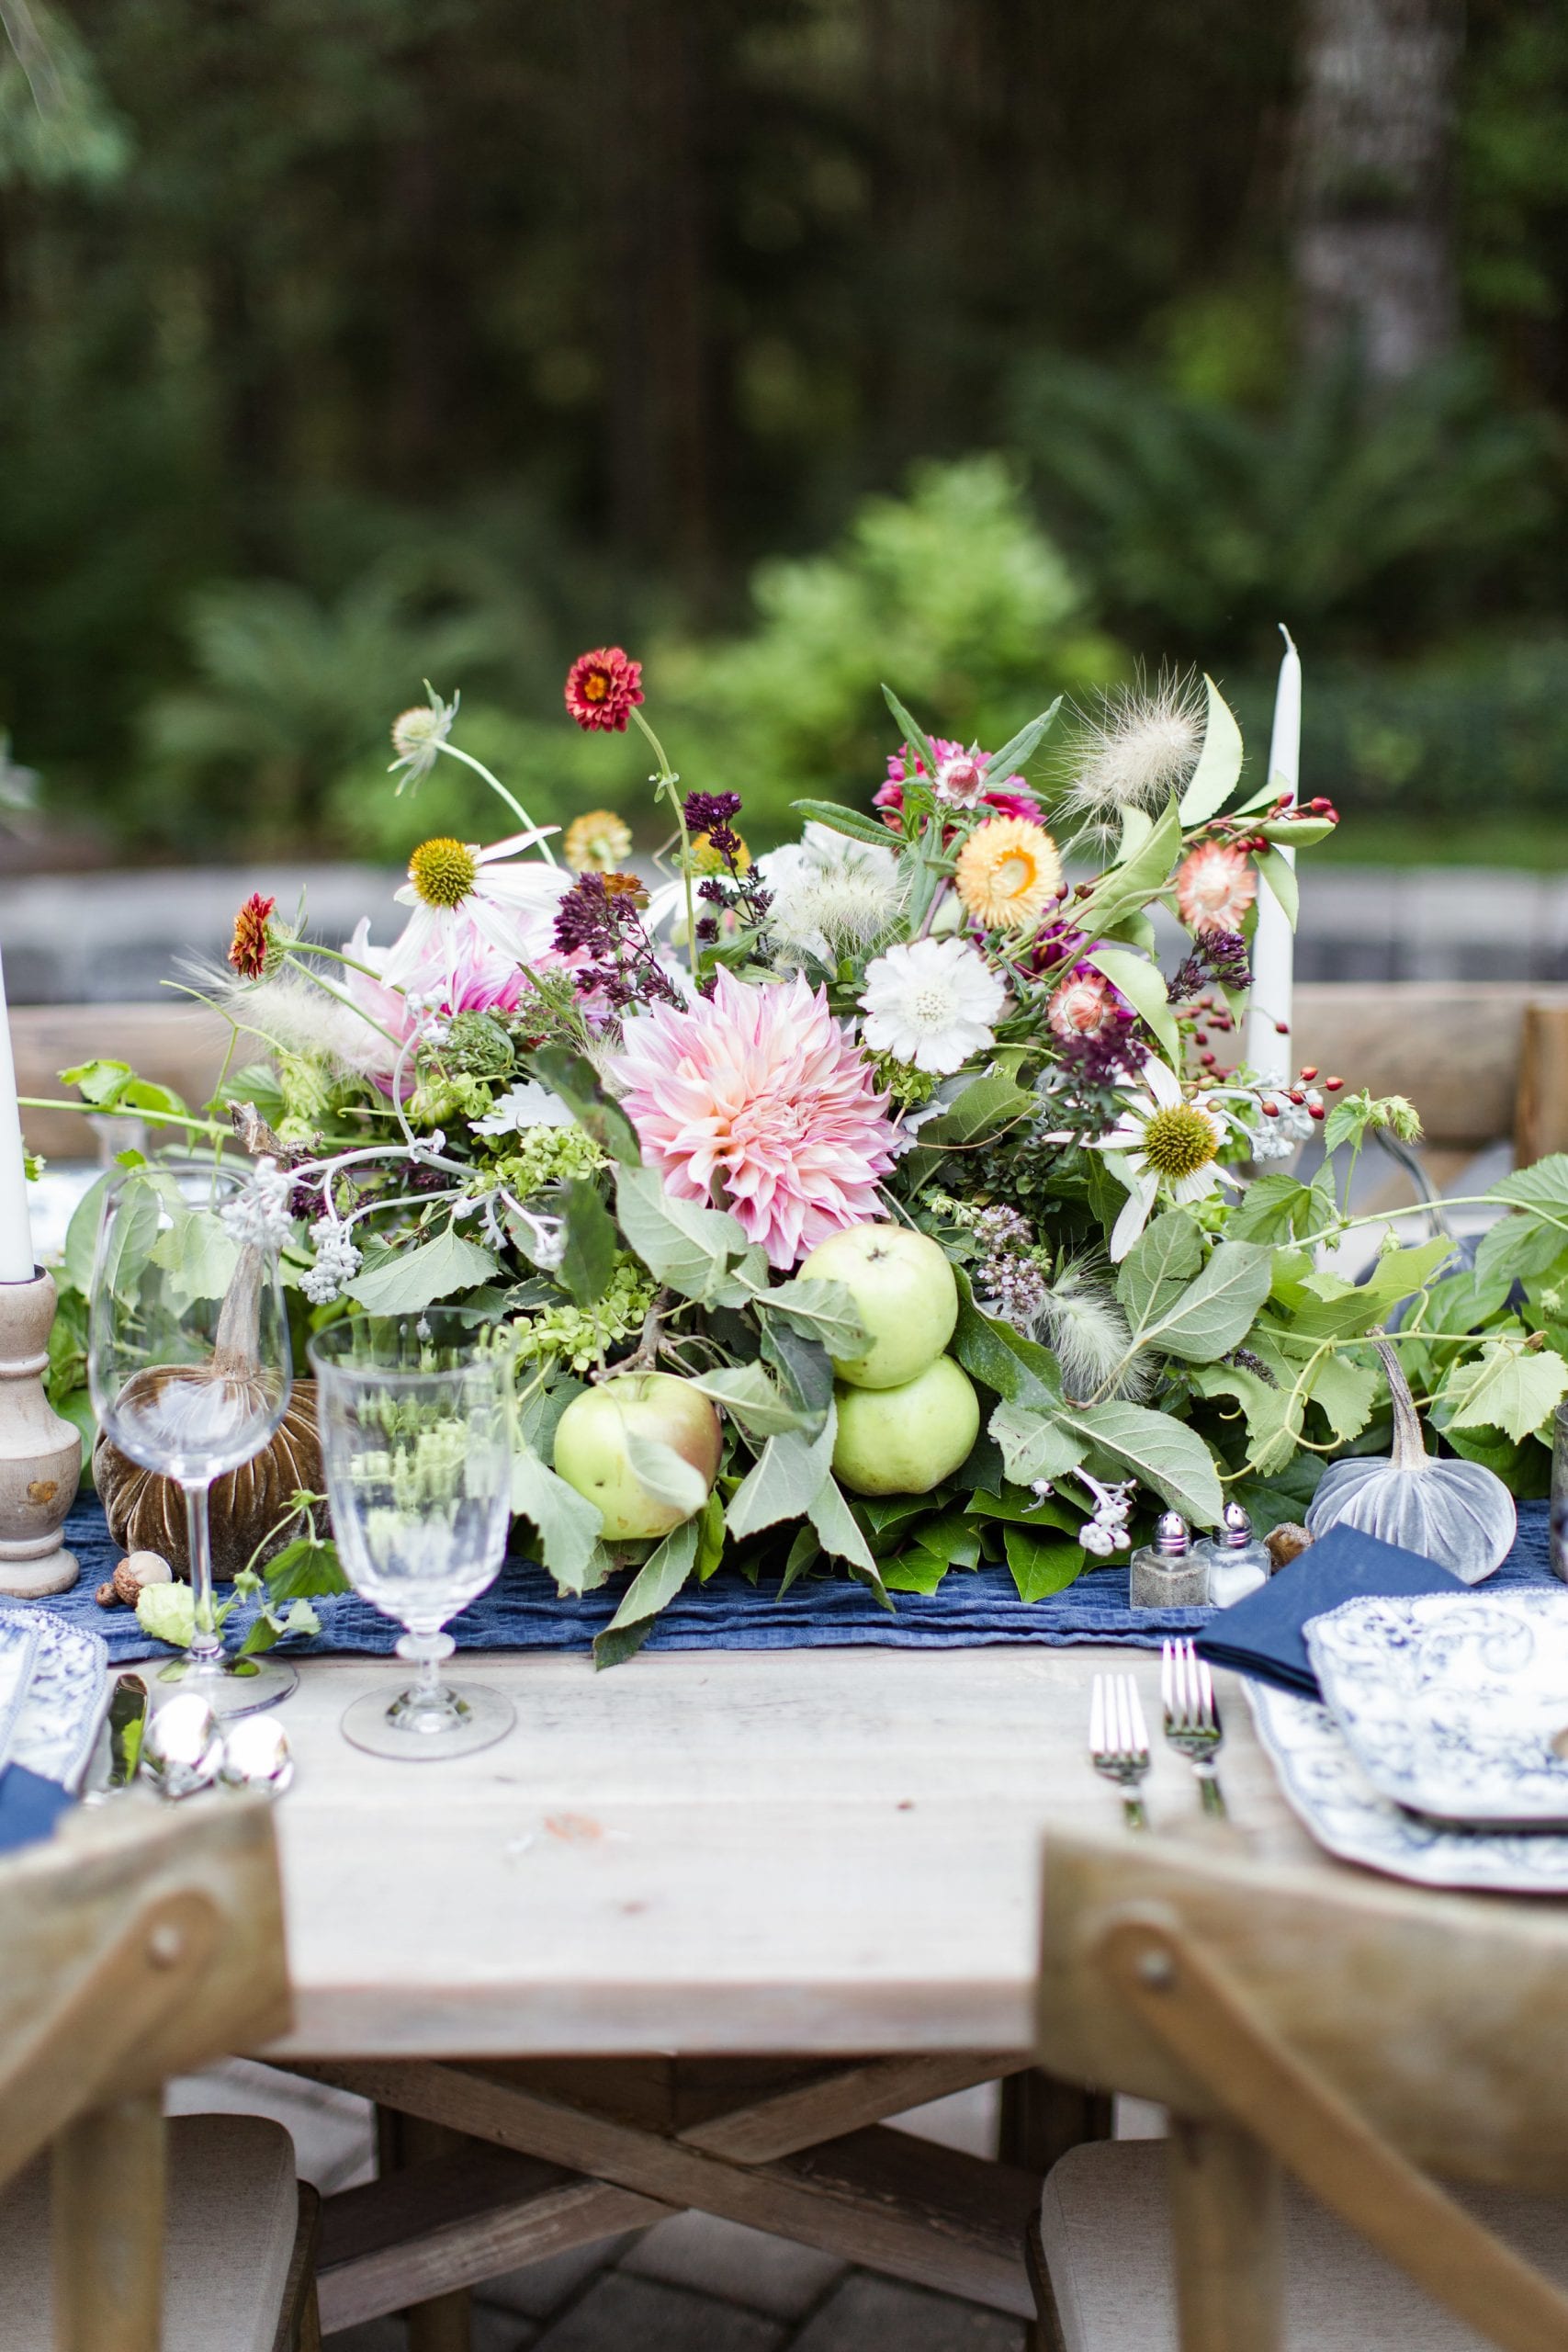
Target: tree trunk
{"points": [[1372, 250]]}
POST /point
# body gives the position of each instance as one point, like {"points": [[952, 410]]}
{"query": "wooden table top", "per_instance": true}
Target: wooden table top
{"points": [[710, 1851]]}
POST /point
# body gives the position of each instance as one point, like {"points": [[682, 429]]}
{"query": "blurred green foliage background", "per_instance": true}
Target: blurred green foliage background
{"points": [[793, 343]]}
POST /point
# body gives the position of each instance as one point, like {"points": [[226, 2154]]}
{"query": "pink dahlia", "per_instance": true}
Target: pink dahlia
{"points": [[758, 1098], [955, 772]]}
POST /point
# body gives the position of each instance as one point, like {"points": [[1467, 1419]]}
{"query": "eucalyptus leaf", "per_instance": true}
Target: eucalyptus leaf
{"points": [[415, 1279], [1218, 771]]}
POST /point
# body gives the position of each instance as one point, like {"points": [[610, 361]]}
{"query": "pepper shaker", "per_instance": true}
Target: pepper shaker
{"points": [[1234, 1559], [1169, 1573]]}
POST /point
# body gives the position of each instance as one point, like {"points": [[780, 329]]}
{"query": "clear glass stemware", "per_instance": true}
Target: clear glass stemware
{"points": [[415, 1422], [189, 1368]]}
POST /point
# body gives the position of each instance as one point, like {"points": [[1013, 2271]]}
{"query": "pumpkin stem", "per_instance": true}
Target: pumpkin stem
{"points": [[235, 1353], [1409, 1445]]}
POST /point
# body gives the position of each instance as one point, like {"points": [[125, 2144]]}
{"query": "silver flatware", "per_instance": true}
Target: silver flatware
{"points": [[182, 1746], [1192, 1723], [1118, 1741], [256, 1755]]}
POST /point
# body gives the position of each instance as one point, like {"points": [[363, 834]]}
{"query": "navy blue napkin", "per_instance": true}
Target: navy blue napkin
{"points": [[29, 1806], [1262, 1634]]}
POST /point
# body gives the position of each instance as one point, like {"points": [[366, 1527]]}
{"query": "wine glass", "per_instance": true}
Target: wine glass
{"points": [[415, 1421], [189, 1364]]}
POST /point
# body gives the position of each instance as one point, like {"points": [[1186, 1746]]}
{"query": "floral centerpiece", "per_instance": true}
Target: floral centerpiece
{"points": [[877, 1204]]}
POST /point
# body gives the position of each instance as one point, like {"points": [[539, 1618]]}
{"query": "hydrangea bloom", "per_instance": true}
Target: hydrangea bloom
{"points": [[758, 1098]]}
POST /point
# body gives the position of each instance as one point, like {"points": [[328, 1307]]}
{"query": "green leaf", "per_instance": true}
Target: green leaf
{"points": [[951, 1538], [784, 1481], [1296, 832], [1347, 1392], [1021, 1510], [131, 1239], [758, 1403], [1001, 1358], [1214, 1313], [589, 1260], [1276, 870], [681, 1243], [819, 1310], [1166, 1254], [305, 1570], [1164, 1454], [660, 1578], [1276, 1208], [98, 1081], [1519, 1246], [1509, 1388], [415, 1279], [1039, 1566], [1273, 1415], [205, 1263], [801, 1362], [167, 1611], [710, 1536], [914, 1570], [804, 1553], [81, 1234], [667, 1476], [568, 1524], [838, 1531], [1020, 751], [913, 733], [1218, 771], [1033, 1445], [985, 1104], [1127, 888], [1542, 1185], [1345, 1315], [859, 828], [1143, 984], [575, 1080]]}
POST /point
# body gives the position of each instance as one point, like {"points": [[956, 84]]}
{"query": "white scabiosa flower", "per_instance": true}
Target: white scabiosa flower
{"points": [[932, 1003], [1140, 746], [418, 735], [831, 894], [1160, 1144]]}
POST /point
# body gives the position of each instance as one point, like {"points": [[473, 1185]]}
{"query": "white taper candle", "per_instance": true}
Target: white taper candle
{"points": [[1270, 1050], [16, 1235]]}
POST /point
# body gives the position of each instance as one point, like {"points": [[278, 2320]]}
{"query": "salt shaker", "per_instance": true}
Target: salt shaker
{"points": [[1234, 1559], [1169, 1573]]}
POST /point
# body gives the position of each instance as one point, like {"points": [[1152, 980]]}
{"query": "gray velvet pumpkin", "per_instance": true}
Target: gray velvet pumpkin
{"points": [[1458, 1513]]}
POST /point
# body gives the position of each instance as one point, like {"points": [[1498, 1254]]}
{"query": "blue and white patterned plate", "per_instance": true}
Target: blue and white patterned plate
{"points": [[66, 1697], [1330, 1794], [1450, 1701], [18, 1647]]}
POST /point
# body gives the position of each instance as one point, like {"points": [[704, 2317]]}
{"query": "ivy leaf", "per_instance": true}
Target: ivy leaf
{"points": [[784, 1480], [1273, 1415], [1039, 1566], [1347, 1392], [1033, 1445], [588, 1259], [305, 1570], [681, 1243], [1218, 771], [1504, 1387], [573, 1078], [1143, 984], [1164, 1454], [415, 1279], [568, 1524]]}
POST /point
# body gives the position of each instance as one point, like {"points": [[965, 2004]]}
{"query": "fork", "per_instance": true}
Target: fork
{"points": [[1118, 1741], [1191, 1718]]}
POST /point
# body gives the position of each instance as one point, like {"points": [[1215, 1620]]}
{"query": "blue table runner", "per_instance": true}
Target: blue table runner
{"points": [[971, 1608]]}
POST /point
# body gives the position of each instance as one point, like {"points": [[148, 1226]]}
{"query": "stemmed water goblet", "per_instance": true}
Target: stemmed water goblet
{"points": [[415, 1423], [189, 1368]]}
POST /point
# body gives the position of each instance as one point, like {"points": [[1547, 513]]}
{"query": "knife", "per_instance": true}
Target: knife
{"points": [[121, 1738]]}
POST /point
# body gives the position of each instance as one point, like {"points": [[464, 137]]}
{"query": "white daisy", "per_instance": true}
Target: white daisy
{"points": [[830, 893], [462, 894], [1162, 1143], [528, 1105], [418, 735], [932, 1002]]}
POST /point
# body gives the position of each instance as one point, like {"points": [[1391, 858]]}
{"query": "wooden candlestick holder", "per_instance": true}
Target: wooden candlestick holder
{"points": [[40, 1454]]}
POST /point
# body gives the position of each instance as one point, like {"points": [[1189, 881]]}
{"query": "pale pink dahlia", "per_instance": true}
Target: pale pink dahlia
{"points": [[758, 1102]]}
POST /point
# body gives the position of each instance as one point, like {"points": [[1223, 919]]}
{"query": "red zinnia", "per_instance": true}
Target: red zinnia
{"points": [[247, 950], [601, 686]]}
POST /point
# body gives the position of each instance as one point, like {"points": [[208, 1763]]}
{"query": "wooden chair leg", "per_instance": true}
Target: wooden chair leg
{"points": [[300, 2320], [1042, 2117], [107, 2228], [1225, 2236], [444, 2323]]}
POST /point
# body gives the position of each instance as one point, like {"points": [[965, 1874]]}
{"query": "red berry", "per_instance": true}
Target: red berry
{"points": [[1208, 1060], [1332, 1084], [1270, 1110], [1315, 1111], [1200, 1037], [1296, 1095], [1282, 1028], [1320, 807], [1309, 1069]]}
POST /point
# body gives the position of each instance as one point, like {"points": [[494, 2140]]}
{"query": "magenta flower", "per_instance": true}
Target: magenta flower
{"points": [[755, 1100], [1010, 799]]}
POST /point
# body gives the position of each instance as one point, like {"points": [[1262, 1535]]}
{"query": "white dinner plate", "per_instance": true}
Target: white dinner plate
{"points": [[66, 1697], [1450, 1701]]}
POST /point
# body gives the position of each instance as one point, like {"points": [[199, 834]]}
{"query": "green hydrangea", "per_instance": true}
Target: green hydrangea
{"points": [[307, 1085], [576, 1337], [476, 1047], [437, 1100], [908, 1086], [537, 1157]]}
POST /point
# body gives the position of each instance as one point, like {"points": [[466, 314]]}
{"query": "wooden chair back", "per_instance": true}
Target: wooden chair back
{"points": [[1358, 2034], [137, 1944]]}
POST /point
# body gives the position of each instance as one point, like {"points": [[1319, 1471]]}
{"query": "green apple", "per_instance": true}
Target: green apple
{"points": [[593, 1453], [906, 1441], [904, 1292]]}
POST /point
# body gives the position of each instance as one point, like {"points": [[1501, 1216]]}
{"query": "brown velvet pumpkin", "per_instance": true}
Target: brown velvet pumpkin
{"points": [[146, 1512]]}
